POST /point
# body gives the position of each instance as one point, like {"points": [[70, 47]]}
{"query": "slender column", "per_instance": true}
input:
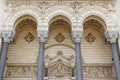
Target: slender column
{"points": [[3, 59], [42, 39], [79, 75], [116, 60], [41, 61], [77, 37], [112, 36], [7, 36]]}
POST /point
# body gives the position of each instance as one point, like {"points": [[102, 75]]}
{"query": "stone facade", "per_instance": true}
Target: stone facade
{"points": [[60, 25]]}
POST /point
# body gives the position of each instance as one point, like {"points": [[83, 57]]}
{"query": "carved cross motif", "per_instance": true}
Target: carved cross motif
{"points": [[90, 38], [59, 37], [29, 37]]}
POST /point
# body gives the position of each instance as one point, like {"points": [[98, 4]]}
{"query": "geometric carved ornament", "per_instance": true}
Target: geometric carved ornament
{"points": [[90, 38], [59, 37], [29, 37]]}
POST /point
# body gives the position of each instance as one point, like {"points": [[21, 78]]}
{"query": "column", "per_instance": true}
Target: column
{"points": [[77, 37], [116, 60], [42, 35], [112, 37], [7, 37]]}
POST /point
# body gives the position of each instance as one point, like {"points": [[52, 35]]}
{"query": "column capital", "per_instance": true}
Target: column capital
{"points": [[42, 35], [112, 36], [77, 35], [7, 35]]}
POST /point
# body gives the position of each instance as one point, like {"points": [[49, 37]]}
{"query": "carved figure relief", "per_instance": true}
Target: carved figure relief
{"points": [[29, 37], [60, 66], [59, 37], [21, 72], [98, 72], [90, 38]]}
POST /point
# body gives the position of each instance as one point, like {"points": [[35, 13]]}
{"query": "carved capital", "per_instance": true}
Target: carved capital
{"points": [[7, 35], [77, 36], [112, 36], [42, 35]]}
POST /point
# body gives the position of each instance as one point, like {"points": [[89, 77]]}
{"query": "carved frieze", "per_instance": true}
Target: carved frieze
{"points": [[98, 72], [21, 72], [110, 5], [60, 70]]}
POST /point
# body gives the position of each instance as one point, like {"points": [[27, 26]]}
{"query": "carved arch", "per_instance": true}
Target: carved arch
{"points": [[60, 10], [97, 11], [23, 10]]}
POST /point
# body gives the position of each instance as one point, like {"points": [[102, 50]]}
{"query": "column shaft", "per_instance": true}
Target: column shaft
{"points": [[79, 75], [3, 59], [116, 60], [40, 61]]}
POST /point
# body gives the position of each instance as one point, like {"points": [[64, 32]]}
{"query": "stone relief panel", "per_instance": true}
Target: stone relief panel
{"points": [[98, 72], [110, 5], [60, 70], [21, 72]]}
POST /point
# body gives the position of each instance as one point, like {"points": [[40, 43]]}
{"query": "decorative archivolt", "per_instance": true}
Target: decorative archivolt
{"points": [[43, 20], [97, 11], [20, 11], [60, 10]]}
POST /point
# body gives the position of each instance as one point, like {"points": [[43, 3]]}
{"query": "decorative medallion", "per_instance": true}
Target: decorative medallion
{"points": [[90, 38], [29, 37], [59, 37]]}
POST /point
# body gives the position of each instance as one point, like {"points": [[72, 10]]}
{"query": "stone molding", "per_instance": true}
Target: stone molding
{"points": [[77, 36], [7, 35], [112, 35], [42, 35]]}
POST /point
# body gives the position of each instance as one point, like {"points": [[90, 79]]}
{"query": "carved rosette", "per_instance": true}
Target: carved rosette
{"points": [[77, 36], [7, 35], [112, 36], [42, 35]]}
